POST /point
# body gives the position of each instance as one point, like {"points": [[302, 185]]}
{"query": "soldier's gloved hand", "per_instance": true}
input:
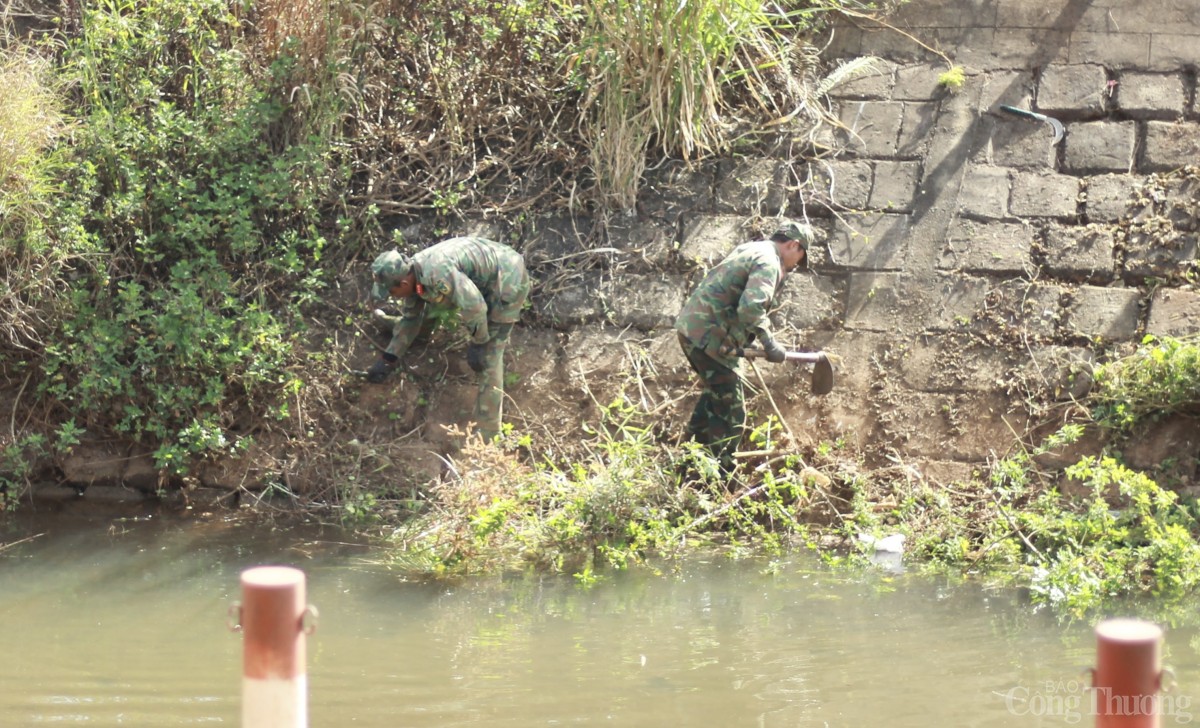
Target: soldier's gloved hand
{"points": [[475, 356], [775, 352], [380, 370]]}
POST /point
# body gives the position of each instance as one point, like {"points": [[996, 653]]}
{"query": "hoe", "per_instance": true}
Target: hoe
{"points": [[822, 374]]}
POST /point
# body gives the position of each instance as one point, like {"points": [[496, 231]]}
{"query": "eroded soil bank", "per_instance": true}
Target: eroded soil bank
{"points": [[971, 269]]}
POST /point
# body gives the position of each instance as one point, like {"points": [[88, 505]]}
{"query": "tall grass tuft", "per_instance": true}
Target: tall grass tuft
{"points": [[306, 44], [611, 507], [615, 496], [659, 72], [31, 121]]}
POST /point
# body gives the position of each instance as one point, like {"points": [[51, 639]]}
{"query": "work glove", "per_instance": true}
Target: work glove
{"points": [[380, 370], [775, 352], [475, 354]]}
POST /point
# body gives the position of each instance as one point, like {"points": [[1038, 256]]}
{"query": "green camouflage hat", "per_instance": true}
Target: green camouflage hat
{"points": [[796, 231], [387, 270]]}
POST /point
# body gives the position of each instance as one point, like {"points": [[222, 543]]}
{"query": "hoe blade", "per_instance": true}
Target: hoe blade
{"points": [[822, 375]]}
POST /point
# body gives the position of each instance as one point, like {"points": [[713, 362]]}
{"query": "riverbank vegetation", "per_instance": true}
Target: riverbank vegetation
{"points": [[1096, 532], [183, 184], [186, 181]]}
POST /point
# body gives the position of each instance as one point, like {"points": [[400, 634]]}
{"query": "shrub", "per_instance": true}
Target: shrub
{"points": [[189, 174], [1161, 377], [1129, 537]]}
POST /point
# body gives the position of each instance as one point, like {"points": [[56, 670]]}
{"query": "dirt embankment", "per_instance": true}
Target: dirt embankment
{"points": [[971, 269]]}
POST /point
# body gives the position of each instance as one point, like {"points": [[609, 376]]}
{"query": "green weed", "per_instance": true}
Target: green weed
{"points": [[952, 79], [18, 458], [622, 504], [1162, 377], [1116, 533]]}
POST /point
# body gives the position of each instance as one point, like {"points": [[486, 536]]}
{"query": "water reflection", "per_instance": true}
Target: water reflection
{"points": [[122, 622]]}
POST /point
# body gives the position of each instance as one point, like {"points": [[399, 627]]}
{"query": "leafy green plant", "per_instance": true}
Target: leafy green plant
{"points": [[1123, 535], [360, 509], [171, 364], [1161, 377], [196, 183], [17, 462], [1130, 536], [67, 436], [952, 79]]}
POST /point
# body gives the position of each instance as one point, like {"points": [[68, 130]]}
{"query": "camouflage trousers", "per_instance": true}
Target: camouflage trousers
{"points": [[719, 418], [489, 403]]}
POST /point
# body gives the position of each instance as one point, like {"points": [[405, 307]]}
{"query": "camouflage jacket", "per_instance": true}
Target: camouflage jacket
{"points": [[484, 280], [731, 305]]}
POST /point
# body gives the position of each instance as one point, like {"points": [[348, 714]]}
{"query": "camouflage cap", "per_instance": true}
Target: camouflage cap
{"points": [[796, 231], [387, 269]]}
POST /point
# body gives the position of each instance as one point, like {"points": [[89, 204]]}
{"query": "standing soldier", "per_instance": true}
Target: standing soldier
{"points": [[726, 312], [485, 280]]}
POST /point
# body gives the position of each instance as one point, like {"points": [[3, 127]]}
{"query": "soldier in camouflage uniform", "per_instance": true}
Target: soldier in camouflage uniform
{"points": [[485, 280], [726, 312]]}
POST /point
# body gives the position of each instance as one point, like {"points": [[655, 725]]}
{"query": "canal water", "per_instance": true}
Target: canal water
{"points": [[123, 621]]}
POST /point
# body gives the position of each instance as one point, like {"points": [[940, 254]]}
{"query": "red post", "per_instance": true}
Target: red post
{"points": [[274, 681], [1128, 674]]}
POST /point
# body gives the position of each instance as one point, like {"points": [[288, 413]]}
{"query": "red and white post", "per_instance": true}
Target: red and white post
{"points": [[1128, 674], [274, 680]]}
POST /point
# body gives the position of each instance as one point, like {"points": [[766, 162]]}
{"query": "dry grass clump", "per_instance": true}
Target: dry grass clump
{"points": [[31, 121], [504, 107], [678, 76]]}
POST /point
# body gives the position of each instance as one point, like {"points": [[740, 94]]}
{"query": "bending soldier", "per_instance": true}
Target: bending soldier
{"points": [[488, 284]]}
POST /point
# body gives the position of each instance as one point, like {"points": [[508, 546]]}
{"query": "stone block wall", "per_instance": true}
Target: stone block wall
{"points": [[967, 258]]}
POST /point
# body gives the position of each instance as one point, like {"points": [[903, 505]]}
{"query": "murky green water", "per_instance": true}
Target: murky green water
{"points": [[119, 622]]}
